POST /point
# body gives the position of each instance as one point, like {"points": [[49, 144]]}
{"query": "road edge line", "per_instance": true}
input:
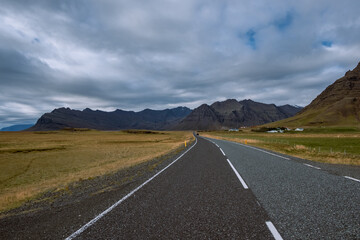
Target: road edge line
{"points": [[311, 166], [261, 150], [351, 178], [94, 220]]}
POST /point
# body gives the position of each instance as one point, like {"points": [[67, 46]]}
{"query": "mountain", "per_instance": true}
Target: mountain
{"points": [[18, 127], [234, 114], [337, 105], [147, 119]]}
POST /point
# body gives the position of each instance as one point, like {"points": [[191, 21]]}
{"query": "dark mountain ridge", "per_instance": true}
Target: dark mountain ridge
{"points": [[61, 118], [234, 114]]}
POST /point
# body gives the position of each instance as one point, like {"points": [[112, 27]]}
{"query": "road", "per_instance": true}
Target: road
{"points": [[198, 197], [215, 190], [304, 200]]}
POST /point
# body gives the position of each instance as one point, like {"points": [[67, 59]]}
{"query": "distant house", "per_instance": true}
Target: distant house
{"points": [[233, 130]]}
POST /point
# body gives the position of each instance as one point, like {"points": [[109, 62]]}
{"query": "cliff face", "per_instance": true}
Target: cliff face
{"points": [[234, 114]]}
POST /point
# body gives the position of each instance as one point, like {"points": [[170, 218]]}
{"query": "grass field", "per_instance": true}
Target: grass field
{"points": [[33, 162], [329, 145]]}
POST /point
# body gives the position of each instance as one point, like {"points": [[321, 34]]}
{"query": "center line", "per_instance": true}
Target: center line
{"points": [[273, 230], [222, 151], [238, 175]]}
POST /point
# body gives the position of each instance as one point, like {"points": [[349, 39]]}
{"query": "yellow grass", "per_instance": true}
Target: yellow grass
{"points": [[33, 162]]}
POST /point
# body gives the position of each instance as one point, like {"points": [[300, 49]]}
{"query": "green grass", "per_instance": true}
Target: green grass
{"points": [[330, 145]]}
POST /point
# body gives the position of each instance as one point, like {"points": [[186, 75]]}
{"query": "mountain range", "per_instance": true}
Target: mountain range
{"points": [[337, 105], [219, 115], [234, 114], [147, 119]]}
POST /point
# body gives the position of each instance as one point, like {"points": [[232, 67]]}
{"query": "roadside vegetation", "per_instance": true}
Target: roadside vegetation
{"points": [[336, 145], [34, 162]]}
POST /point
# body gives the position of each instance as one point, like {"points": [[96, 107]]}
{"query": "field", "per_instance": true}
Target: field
{"points": [[329, 145], [34, 162]]}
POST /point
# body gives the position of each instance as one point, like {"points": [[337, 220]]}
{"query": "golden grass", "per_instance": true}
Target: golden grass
{"points": [[33, 162]]}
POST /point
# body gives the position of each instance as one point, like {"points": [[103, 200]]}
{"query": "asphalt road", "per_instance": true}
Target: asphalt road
{"points": [[304, 200], [216, 190], [198, 197]]}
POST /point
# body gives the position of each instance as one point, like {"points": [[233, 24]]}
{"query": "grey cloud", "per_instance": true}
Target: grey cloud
{"points": [[158, 54]]}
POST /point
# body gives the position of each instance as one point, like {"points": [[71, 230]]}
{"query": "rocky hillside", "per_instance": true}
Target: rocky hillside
{"points": [[234, 114], [147, 119], [337, 105]]}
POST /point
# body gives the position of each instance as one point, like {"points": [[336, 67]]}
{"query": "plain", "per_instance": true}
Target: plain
{"points": [[34, 162]]}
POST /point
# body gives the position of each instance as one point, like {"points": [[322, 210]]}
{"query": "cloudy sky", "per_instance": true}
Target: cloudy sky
{"points": [[156, 54]]}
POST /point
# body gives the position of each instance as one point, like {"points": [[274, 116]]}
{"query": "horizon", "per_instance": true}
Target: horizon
{"points": [[129, 110], [140, 55]]}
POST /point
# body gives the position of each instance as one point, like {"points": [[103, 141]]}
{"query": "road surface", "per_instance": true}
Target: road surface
{"points": [[222, 190], [304, 200]]}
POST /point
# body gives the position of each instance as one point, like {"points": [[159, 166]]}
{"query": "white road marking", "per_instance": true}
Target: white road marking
{"points": [[256, 149], [216, 145], [273, 230], [238, 175], [83, 228], [222, 151], [311, 166], [352, 178]]}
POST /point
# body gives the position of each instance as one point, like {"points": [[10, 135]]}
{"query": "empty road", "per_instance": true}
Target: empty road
{"points": [[304, 200], [223, 190]]}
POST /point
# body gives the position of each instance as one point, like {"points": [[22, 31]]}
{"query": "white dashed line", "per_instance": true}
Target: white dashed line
{"points": [[354, 179], [222, 151], [276, 155], [238, 175], [273, 230], [83, 228], [311, 166]]}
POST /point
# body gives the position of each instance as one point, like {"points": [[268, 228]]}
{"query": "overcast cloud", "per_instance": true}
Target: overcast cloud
{"points": [[161, 54]]}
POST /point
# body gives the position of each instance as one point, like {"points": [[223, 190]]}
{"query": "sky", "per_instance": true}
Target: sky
{"points": [[139, 54]]}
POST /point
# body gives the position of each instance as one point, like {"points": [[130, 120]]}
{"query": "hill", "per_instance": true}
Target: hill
{"points": [[337, 105], [234, 114], [147, 119]]}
